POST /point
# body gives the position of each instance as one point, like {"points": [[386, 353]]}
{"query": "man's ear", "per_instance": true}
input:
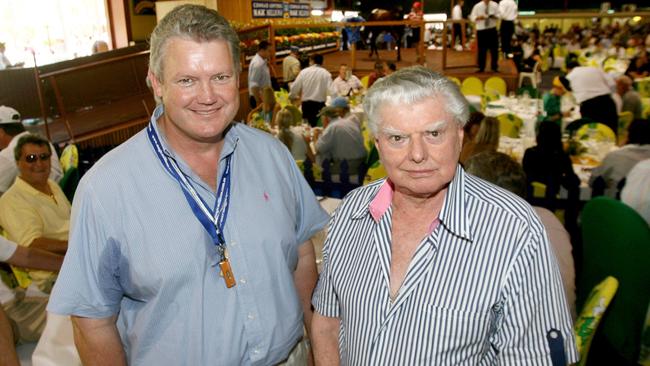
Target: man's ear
{"points": [[156, 85]]}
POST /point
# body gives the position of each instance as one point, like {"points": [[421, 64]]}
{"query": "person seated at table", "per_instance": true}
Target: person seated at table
{"points": [[636, 192], [377, 74], [618, 163], [639, 66], [627, 99], [487, 139], [553, 100], [293, 137], [35, 212], [341, 139], [345, 84], [500, 169], [22, 318], [547, 163]]}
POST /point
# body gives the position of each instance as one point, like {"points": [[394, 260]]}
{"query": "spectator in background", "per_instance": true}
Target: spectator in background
{"points": [[553, 100], [22, 318], [259, 73], [547, 163], [639, 66], [487, 139], [11, 130], [4, 61], [626, 98], [593, 89], [457, 15], [472, 126], [502, 170], [34, 211], [99, 46], [618, 163], [377, 74], [636, 192], [292, 136], [291, 66], [485, 14], [345, 84], [389, 68], [341, 139], [312, 86], [508, 15]]}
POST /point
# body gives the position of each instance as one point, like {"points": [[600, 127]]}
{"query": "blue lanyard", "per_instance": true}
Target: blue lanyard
{"points": [[213, 220]]}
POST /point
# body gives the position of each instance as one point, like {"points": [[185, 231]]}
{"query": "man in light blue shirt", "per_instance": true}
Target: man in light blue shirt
{"points": [[190, 242]]}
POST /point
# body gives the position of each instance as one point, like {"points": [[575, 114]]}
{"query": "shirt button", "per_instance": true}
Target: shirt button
{"points": [[234, 243], [243, 280], [256, 351], [251, 316]]}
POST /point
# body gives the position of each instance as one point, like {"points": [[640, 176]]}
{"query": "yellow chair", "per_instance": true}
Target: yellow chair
{"points": [[375, 172], [645, 102], [509, 125], [591, 314], [643, 87], [624, 120], [497, 84], [596, 131], [364, 81], [472, 86], [455, 80]]}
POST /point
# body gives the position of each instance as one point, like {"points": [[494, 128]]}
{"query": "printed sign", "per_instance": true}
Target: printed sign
{"points": [[271, 9]]}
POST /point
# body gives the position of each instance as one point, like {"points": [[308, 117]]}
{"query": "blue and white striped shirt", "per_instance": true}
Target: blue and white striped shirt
{"points": [[483, 288]]}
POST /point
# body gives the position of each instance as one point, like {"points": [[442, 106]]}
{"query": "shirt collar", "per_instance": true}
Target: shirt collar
{"points": [[26, 187], [453, 216]]}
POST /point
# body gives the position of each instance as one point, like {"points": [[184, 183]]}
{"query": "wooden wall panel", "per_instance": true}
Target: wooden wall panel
{"points": [[240, 11]]}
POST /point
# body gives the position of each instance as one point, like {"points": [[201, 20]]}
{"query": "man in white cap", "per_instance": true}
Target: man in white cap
{"points": [[11, 130]]}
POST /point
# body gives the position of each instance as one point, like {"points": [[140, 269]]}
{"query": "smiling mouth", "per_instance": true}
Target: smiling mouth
{"points": [[206, 112]]}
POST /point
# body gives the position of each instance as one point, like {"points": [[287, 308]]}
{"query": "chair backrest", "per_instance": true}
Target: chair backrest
{"points": [[509, 125], [455, 80], [591, 314], [596, 131], [616, 242], [497, 84], [472, 86], [364, 81]]}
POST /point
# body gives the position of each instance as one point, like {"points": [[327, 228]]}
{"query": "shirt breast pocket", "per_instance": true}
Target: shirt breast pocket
{"points": [[457, 336]]}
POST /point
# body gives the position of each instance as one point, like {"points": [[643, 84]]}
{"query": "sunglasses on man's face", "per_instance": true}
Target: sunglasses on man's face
{"points": [[31, 158]]}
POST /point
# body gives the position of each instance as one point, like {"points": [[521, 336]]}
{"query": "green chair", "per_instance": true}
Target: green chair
{"points": [[472, 86], [616, 242], [496, 84], [509, 125]]}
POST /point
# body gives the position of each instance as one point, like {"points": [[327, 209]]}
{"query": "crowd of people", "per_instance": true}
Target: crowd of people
{"points": [[191, 243]]}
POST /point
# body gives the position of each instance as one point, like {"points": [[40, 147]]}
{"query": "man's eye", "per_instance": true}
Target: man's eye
{"points": [[185, 81], [222, 78], [434, 133], [395, 138]]}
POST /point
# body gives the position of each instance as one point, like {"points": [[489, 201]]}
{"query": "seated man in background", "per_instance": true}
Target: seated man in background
{"points": [[345, 84], [341, 139], [22, 318], [501, 170], [11, 129], [627, 99], [618, 163], [34, 211]]}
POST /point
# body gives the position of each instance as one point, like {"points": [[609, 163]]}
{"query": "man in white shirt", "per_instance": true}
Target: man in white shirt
{"points": [[4, 61], [311, 86], [485, 14], [458, 28], [259, 74], [508, 15], [636, 192], [345, 84], [11, 130], [593, 89], [291, 67]]}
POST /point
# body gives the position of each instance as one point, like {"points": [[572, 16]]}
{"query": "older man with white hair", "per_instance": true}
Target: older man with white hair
{"points": [[432, 266]]}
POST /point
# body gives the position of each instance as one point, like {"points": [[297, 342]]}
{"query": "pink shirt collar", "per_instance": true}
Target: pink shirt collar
{"points": [[380, 204]]}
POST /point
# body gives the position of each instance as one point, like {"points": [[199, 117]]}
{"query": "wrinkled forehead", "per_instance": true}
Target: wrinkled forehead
{"points": [[389, 106]]}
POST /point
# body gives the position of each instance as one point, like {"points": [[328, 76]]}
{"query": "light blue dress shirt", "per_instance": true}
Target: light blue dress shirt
{"points": [[137, 249]]}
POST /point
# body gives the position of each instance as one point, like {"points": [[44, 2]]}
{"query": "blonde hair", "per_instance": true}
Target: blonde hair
{"points": [[488, 132], [284, 120]]}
